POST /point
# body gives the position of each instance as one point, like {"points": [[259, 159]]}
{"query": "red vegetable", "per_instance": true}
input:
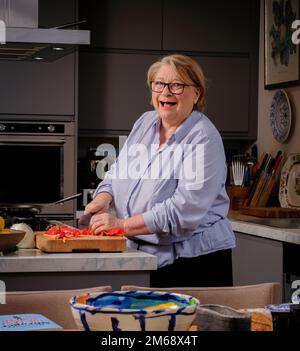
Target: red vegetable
{"points": [[62, 231], [85, 231], [113, 232]]}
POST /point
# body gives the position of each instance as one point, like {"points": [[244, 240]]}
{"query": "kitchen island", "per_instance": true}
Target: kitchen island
{"points": [[265, 254], [31, 269]]}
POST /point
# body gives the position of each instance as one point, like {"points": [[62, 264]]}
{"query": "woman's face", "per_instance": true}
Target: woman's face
{"points": [[172, 108]]}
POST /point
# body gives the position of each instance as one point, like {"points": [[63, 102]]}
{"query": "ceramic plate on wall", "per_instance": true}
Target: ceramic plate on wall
{"points": [[281, 116], [289, 190]]}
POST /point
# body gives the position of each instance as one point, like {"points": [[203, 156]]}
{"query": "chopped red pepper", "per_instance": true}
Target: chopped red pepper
{"points": [[85, 231], [62, 231], [113, 232]]}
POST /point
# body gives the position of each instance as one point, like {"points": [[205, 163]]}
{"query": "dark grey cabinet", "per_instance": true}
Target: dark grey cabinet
{"points": [[38, 88], [127, 36], [228, 93], [43, 89], [119, 24], [257, 260], [207, 26], [113, 91]]}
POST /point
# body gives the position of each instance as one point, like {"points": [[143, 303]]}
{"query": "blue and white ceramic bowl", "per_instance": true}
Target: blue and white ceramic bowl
{"points": [[283, 308], [134, 311]]}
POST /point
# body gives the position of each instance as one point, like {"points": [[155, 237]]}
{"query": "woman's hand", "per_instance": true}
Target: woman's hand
{"points": [[100, 204], [105, 221]]}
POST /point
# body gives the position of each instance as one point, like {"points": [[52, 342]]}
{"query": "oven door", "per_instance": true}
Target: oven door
{"points": [[38, 170]]}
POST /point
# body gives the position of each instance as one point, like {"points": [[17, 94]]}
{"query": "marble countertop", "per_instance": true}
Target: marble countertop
{"points": [[33, 260], [280, 234]]}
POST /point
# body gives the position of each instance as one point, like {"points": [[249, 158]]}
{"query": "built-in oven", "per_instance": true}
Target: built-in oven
{"points": [[37, 165]]}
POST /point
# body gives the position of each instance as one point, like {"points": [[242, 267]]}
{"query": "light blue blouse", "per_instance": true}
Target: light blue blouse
{"points": [[186, 219]]}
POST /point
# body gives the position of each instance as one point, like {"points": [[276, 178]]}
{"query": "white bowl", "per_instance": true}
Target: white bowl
{"points": [[134, 311]]}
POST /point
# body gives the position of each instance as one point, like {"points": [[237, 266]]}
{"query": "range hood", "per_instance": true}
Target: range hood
{"points": [[25, 41]]}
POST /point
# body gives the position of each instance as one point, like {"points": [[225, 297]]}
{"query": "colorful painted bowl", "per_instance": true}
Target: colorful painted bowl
{"points": [[134, 311]]}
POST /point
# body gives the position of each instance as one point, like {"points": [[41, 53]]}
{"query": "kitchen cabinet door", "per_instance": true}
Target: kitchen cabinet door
{"points": [[119, 24], [228, 93], [38, 88], [208, 26], [113, 91], [257, 260]]}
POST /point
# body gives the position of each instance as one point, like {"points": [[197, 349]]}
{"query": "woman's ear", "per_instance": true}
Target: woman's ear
{"points": [[198, 95]]}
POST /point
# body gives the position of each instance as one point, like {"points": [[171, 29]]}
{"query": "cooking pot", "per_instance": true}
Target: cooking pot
{"points": [[37, 208]]}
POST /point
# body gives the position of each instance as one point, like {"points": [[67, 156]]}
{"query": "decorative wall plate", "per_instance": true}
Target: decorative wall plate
{"points": [[289, 190], [281, 116]]}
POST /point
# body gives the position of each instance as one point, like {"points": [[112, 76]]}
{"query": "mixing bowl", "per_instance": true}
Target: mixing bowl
{"points": [[134, 311]]}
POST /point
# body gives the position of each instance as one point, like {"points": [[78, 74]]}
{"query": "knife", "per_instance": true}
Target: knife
{"points": [[261, 166], [270, 181], [261, 181], [84, 220]]}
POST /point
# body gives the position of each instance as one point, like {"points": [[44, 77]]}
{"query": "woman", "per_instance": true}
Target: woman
{"points": [[177, 217]]}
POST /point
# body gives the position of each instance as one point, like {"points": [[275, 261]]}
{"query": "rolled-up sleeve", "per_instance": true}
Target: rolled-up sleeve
{"points": [[105, 186], [182, 213]]}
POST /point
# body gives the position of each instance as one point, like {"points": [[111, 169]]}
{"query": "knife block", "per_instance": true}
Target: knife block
{"points": [[237, 196]]}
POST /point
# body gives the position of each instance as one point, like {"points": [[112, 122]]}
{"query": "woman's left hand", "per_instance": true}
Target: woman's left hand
{"points": [[105, 221]]}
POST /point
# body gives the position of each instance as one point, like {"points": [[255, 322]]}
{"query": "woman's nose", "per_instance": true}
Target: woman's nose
{"points": [[166, 91]]}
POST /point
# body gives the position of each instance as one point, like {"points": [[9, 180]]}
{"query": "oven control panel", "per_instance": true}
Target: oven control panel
{"points": [[32, 128]]}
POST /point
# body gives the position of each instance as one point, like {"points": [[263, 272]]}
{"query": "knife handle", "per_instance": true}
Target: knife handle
{"points": [[269, 185], [84, 220], [267, 192], [259, 189]]}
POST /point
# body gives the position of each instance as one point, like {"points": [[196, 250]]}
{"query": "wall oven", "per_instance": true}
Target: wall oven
{"points": [[37, 165]]}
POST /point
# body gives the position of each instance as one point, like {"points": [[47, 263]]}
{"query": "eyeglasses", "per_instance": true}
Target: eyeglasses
{"points": [[174, 88]]}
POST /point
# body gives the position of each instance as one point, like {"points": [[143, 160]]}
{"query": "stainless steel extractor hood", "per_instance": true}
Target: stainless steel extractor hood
{"points": [[25, 41]]}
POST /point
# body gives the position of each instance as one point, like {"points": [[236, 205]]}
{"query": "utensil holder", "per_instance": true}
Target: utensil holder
{"points": [[237, 196]]}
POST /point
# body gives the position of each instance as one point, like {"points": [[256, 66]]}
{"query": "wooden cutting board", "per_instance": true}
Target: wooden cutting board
{"points": [[271, 212], [85, 243]]}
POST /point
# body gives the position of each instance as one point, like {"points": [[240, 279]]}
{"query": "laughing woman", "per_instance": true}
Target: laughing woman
{"points": [[166, 206]]}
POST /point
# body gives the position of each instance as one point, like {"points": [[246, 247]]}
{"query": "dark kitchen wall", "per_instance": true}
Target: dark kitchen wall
{"points": [[128, 35], [53, 13], [42, 90]]}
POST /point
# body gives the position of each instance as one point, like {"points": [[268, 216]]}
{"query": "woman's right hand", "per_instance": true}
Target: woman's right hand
{"points": [[99, 204]]}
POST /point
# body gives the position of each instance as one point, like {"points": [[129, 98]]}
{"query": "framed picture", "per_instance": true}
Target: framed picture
{"points": [[281, 54]]}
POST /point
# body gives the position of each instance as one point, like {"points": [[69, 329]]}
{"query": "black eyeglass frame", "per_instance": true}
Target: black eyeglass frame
{"points": [[170, 84]]}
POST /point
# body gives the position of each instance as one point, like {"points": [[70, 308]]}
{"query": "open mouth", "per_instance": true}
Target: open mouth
{"points": [[167, 104]]}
